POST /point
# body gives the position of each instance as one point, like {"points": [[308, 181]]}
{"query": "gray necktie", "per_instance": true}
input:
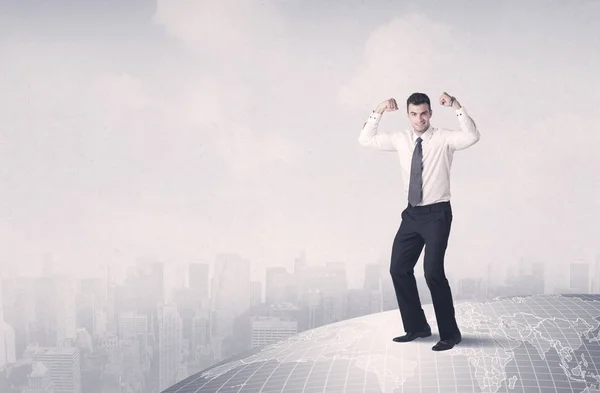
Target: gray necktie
{"points": [[415, 188]]}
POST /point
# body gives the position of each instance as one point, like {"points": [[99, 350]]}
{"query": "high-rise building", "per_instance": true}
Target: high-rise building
{"points": [[579, 277], [269, 330], [278, 280], [538, 282], [334, 292], [18, 298], [169, 346], [255, 293], [91, 303], [372, 277], [201, 331], [596, 281], [7, 345], [39, 381], [63, 363], [231, 292], [55, 310], [7, 338], [133, 328], [150, 284], [470, 287], [300, 262], [198, 278], [375, 302], [359, 303]]}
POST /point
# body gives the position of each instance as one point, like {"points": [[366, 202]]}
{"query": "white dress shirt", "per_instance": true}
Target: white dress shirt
{"points": [[439, 145]]}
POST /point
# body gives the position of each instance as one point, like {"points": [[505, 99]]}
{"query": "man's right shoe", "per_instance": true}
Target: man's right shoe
{"points": [[449, 343], [410, 336]]}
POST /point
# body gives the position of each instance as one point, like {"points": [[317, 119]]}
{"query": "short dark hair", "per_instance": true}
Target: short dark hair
{"points": [[418, 99]]}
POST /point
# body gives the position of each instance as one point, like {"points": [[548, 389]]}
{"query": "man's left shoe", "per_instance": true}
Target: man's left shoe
{"points": [[446, 344]]}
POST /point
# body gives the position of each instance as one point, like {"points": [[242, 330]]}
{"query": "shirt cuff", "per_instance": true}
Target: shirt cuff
{"points": [[461, 112], [374, 117]]}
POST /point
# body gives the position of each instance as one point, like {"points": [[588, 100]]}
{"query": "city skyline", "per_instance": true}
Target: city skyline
{"points": [[93, 334]]}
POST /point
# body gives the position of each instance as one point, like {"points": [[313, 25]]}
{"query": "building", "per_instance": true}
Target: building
{"points": [[39, 380], [63, 363], [269, 330]]}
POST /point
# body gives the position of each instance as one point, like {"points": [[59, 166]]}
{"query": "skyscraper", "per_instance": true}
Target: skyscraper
{"points": [[55, 310], [63, 364], [231, 291], [579, 277], [7, 337], [39, 380], [169, 346], [198, 278]]}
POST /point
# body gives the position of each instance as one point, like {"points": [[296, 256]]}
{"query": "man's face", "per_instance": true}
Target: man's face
{"points": [[419, 116]]}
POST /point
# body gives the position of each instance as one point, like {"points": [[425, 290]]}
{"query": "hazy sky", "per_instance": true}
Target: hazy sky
{"points": [[181, 129]]}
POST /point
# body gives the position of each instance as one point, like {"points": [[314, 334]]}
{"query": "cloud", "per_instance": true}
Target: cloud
{"points": [[410, 53], [414, 53], [105, 120], [243, 39], [221, 28], [143, 157]]}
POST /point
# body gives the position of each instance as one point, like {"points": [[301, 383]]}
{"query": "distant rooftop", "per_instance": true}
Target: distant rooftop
{"points": [[37, 350]]}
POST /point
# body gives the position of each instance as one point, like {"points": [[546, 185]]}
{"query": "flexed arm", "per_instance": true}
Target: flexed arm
{"points": [[468, 134], [369, 136]]}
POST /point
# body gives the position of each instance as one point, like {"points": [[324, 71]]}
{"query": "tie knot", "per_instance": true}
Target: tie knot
{"points": [[419, 140]]}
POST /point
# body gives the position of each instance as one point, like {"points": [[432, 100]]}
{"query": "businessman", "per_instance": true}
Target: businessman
{"points": [[425, 154]]}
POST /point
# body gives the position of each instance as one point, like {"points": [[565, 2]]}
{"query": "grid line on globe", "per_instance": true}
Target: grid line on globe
{"points": [[539, 343]]}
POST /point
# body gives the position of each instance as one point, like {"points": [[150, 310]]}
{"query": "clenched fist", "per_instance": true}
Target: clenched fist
{"points": [[388, 105], [446, 99]]}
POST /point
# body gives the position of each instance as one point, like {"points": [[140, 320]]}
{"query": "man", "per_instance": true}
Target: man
{"points": [[425, 154]]}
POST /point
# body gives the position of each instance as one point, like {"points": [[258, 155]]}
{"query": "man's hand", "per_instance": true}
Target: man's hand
{"points": [[387, 106], [447, 100]]}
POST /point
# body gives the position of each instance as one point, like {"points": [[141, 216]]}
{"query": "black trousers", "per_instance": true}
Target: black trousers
{"points": [[423, 226]]}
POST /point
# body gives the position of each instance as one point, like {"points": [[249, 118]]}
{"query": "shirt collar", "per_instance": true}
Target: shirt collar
{"points": [[425, 136]]}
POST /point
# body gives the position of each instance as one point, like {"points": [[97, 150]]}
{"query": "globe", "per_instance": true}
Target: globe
{"points": [[540, 343]]}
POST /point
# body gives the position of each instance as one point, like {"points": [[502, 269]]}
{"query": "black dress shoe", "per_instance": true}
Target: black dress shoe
{"points": [[412, 335], [448, 343]]}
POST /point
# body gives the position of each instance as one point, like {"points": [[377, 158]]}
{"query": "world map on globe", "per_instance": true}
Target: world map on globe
{"points": [[540, 343]]}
